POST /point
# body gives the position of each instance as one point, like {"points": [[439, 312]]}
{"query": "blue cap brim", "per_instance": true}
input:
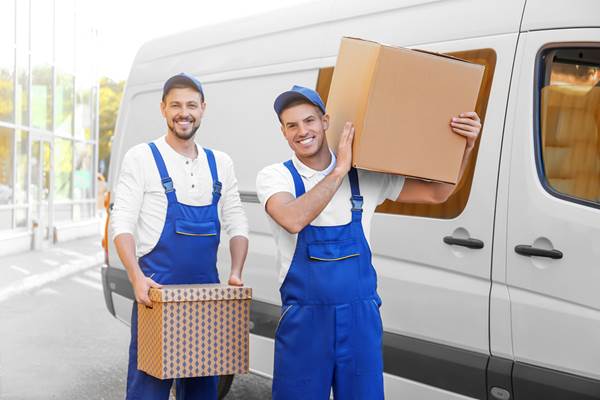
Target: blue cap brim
{"points": [[291, 95]]}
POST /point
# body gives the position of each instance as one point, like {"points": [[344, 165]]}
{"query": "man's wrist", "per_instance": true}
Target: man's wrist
{"points": [[339, 172]]}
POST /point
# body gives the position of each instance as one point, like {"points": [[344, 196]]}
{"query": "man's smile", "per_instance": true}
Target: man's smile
{"points": [[306, 141]]}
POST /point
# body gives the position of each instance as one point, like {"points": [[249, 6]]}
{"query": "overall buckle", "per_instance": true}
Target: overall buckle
{"points": [[168, 184], [357, 203], [217, 186]]}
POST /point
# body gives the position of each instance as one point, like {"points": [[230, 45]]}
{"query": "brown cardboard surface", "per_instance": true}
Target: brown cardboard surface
{"points": [[401, 102], [194, 330], [352, 75]]}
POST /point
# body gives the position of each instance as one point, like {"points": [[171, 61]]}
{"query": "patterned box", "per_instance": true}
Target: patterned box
{"points": [[194, 330]]}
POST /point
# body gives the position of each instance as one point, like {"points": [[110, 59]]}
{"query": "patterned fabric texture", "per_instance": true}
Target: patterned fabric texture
{"points": [[194, 330]]}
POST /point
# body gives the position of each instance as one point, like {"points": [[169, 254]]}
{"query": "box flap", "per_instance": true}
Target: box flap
{"points": [[200, 292], [433, 53]]}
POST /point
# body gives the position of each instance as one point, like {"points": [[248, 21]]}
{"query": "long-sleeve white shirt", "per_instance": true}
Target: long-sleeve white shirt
{"points": [[140, 204]]}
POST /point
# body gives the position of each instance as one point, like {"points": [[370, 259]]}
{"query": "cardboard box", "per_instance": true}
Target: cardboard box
{"points": [[401, 102], [194, 330]]}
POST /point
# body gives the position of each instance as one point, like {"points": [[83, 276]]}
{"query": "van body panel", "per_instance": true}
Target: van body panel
{"points": [[560, 14], [429, 289], [500, 322]]}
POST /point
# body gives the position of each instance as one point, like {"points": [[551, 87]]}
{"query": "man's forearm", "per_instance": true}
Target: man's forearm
{"points": [[303, 210], [125, 244], [445, 190], [238, 248]]}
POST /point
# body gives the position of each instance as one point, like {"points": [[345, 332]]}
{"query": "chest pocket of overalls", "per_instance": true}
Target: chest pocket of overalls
{"points": [[334, 270], [194, 228]]}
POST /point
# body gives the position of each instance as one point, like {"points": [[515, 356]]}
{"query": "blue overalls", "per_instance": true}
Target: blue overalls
{"points": [[185, 253], [330, 330]]}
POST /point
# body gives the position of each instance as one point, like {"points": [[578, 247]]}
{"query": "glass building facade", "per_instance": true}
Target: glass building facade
{"points": [[48, 118]]}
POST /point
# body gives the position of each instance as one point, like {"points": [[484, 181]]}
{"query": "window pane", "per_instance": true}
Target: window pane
{"points": [[570, 122], [5, 219], [6, 165], [7, 27], [22, 95], [41, 96], [83, 184], [85, 77], [63, 162], [39, 188], [21, 218], [42, 30], [46, 171], [63, 104], [23, 25], [22, 165], [65, 36], [83, 128], [7, 87]]}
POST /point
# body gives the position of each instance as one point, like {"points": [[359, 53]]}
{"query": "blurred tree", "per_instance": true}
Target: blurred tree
{"points": [[6, 96], [110, 100]]}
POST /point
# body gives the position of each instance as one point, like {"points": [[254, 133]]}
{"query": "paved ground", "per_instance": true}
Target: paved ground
{"points": [[58, 341]]}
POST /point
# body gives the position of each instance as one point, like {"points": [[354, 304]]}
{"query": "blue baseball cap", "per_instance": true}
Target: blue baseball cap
{"points": [[182, 79], [295, 93]]}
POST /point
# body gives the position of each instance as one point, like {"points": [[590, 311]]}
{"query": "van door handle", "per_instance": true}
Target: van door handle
{"points": [[526, 250], [470, 243]]}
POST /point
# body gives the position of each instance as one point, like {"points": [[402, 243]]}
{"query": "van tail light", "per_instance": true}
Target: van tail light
{"points": [[107, 218]]}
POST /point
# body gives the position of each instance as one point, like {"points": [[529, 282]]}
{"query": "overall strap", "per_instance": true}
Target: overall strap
{"points": [[298, 184], [165, 179], [217, 185], [356, 199]]}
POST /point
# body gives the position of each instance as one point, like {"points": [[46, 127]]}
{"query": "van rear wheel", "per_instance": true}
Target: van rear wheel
{"points": [[225, 382]]}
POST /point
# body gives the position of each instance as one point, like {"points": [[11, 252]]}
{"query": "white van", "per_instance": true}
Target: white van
{"points": [[494, 294]]}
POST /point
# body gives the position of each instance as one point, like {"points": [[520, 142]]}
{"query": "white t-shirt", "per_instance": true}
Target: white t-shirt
{"points": [[374, 187], [140, 205]]}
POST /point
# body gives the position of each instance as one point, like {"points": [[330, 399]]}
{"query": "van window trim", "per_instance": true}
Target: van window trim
{"points": [[539, 70]]}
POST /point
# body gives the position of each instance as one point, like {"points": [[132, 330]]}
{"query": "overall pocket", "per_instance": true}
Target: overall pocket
{"points": [[334, 271], [193, 228], [284, 311], [332, 251]]}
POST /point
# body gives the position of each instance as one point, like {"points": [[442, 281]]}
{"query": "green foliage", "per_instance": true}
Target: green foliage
{"points": [[111, 93]]}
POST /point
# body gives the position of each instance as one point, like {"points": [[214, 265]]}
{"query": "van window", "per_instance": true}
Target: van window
{"points": [[456, 203], [568, 123]]}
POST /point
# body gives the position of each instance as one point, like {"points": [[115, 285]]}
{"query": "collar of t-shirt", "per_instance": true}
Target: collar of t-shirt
{"points": [[307, 172], [186, 160]]}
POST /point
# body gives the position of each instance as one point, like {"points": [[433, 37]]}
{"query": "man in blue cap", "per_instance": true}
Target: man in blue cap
{"points": [[172, 198], [330, 331]]}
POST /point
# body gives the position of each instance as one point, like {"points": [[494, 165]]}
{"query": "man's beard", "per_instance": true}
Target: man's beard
{"points": [[184, 136]]}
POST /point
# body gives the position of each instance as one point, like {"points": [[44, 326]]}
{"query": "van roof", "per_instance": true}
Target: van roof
{"points": [[314, 30]]}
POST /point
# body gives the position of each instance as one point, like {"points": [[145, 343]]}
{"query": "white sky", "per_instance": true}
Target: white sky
{"points": [[124, 25]]}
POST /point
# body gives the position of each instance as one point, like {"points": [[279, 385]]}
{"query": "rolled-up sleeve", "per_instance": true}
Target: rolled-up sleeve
{"points": [[129, 194], [234, 220]]}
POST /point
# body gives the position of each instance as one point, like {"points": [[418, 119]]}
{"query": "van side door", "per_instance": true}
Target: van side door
{"points": [[551, 164]]}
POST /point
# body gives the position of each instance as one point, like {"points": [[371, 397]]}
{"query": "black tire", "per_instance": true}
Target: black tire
{"points": [[225, 382]]}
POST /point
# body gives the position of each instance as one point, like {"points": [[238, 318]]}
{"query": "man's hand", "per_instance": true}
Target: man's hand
{"points": [[468, 125], [141, 287], [235, 280], [344, 150]]}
